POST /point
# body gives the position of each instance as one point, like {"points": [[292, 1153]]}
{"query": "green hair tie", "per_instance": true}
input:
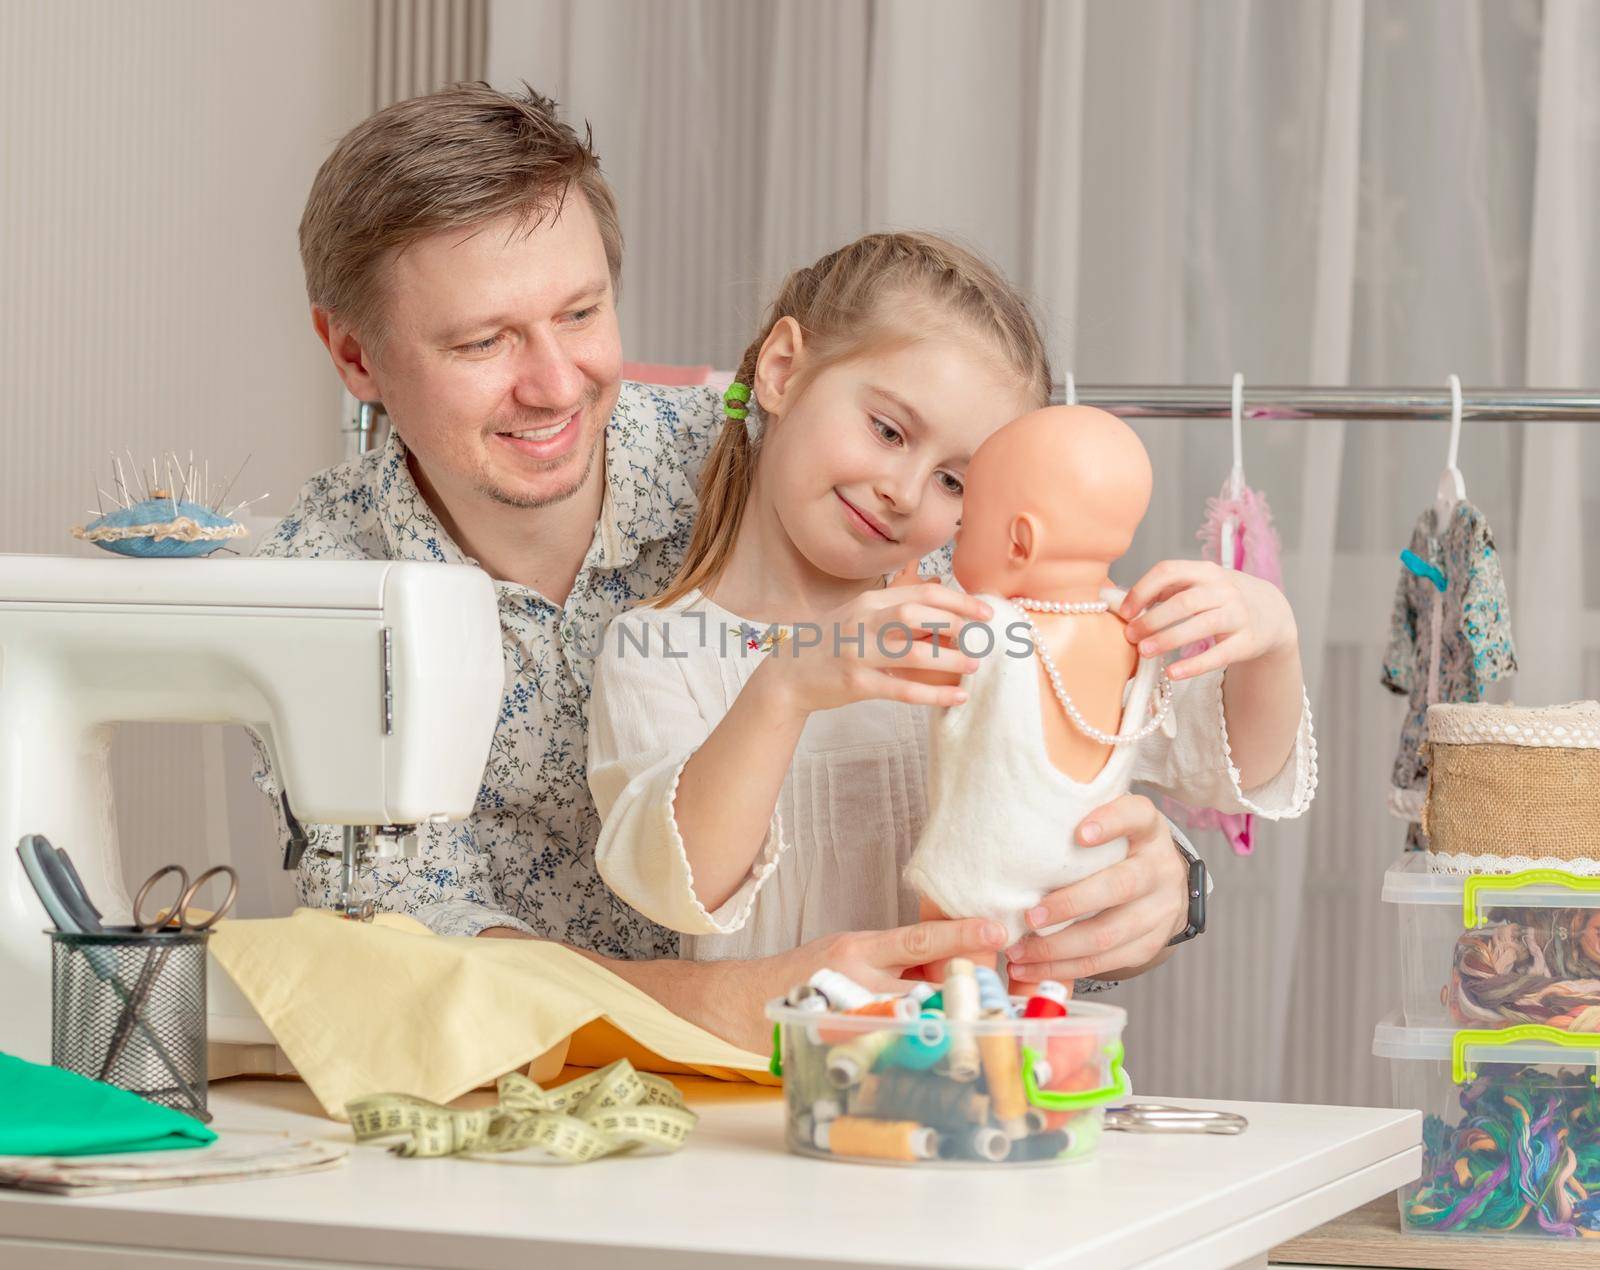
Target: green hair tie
{"points": [[733, 401]]}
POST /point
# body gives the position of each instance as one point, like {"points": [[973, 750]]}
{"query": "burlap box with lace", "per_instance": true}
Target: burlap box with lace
{"points": [[1511, 787]]}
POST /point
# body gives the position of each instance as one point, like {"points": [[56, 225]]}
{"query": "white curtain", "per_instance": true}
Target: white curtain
{"points": [[1376, 192]]}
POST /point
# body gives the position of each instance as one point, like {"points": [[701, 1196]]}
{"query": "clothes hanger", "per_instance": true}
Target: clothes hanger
{"points": [[1452, 488], [1452, 491], [1236, 477], [1230, 523]]}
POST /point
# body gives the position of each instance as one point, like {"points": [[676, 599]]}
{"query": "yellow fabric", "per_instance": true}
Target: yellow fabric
{"points": [[390, 1007]]}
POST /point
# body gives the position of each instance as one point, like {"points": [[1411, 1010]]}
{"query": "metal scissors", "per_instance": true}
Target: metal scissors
{"points": [[174, 918], [1156, 1117], [178, 912]]}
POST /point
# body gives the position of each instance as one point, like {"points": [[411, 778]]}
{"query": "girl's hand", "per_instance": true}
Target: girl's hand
{"points": [[1181, 601], [850, 654]]}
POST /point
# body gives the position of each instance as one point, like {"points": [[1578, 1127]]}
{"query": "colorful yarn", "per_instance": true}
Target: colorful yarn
{"points": [[1526, 1154], [1539, 965]]}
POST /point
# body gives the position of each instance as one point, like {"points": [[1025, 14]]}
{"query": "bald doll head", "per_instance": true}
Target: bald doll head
{"points": [[1064, 485]]}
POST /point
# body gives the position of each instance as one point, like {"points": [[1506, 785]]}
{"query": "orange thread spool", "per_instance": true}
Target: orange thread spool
{"points": [[1068, 1054], [888, 1008], [1004, 1076], [877, 1139]]}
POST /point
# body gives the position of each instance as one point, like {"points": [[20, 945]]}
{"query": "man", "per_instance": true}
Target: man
{"points": [[462, 255]]}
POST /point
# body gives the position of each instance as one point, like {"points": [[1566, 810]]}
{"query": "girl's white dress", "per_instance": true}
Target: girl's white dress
{"points": [[853, 805]]}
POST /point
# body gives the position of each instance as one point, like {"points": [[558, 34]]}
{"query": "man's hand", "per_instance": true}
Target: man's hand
{"points": [[728, 998], [880, 961], [1128, 911]]}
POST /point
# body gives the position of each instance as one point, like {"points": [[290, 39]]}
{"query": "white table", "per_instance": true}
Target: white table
{"points": [[733, 1195]]}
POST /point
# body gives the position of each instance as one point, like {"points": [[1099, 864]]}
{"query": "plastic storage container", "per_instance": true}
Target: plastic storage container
{"points": [[914, 1087], [1511, 1129], [1497, 950]]}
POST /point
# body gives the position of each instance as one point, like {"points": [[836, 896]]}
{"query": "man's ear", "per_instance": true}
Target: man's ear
{"points": [[1022, 543], [350, 356], [776, 363]]}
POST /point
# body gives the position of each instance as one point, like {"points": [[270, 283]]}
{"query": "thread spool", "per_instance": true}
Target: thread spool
{"points": [[805, 1075], [991, 992], [842, 992], [1049, 1001], [981, 1142], [887, 1009], [806, 997], [849, 1062], [921, 1049], [1041, 1146], [1042, 1121], [1084, 1135], [929, 1100], [935, 1001], [961, 1006], [825, 1109], [1073, 1063], [877, 1139], [921, 991], [1004, 1077]]}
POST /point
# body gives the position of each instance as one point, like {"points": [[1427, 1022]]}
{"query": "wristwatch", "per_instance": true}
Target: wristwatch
{"points": [[1198, 886]]}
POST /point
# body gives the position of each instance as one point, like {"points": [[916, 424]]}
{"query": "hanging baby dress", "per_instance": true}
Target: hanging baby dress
{"points": [[1246, 520], [1449, 636]]}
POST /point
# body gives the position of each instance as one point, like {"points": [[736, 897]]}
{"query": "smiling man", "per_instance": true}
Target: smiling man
{"points": [[462, 255]]}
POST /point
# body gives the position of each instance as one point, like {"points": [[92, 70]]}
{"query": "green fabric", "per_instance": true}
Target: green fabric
{"points": [[50, 1111]]}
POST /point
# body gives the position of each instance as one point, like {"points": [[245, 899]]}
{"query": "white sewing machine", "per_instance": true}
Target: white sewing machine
{"points": [[375, 685]]}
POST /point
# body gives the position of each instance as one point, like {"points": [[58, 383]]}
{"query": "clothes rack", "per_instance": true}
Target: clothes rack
{"points": [[1194, 401]]}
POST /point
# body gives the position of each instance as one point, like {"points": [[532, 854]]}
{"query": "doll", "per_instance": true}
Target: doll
{"points": [[1061, 700]]}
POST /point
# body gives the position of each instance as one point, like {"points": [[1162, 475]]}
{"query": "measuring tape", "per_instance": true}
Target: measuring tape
{"points": [[609, 1111]]}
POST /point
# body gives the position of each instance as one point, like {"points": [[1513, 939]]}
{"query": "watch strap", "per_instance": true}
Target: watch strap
{"points": [[1196, 884]]}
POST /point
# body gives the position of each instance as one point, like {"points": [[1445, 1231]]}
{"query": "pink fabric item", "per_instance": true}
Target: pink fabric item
{"points": [[666, 375], [1256, 551]]}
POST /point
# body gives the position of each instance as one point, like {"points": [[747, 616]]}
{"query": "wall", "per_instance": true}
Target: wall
{"points": [[154, 159]]}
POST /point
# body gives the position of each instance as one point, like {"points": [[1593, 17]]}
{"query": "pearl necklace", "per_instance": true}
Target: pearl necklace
{"points": [[1163, 689], [1061, 606]]}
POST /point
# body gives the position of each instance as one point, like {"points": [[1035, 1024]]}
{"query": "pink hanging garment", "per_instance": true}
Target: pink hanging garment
{"points": [[1255, 550]]}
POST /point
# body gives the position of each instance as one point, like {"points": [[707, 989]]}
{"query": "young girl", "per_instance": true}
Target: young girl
{"points": [[758, 765]]}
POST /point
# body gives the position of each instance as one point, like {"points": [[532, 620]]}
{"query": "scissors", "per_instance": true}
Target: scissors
{"points": [[1155, 1117], [67, 902], [175, 918]]}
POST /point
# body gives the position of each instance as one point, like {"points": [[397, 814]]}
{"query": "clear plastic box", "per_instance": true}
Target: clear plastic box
{"points": [[931, 1091], [1497, 950], [1511, 1129]]}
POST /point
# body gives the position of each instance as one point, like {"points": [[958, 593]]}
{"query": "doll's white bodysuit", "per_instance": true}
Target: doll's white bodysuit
{"points": [[1002, 819]]}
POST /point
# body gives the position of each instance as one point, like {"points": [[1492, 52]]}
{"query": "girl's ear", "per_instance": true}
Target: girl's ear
{"points": [[776, 364], [1023, 539]]}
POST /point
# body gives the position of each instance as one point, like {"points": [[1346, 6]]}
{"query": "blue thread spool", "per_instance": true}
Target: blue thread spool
{"points": [[991, 992], [918, 1051]]}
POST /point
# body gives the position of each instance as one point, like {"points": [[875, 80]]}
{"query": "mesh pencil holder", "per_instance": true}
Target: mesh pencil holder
{"points": [[129, 1008]]}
